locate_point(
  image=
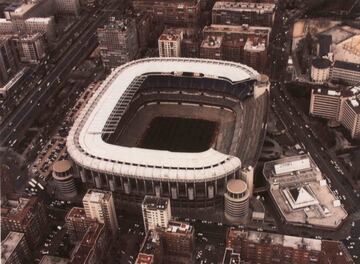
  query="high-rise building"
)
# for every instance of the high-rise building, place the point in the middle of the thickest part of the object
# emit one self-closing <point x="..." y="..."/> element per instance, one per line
<point x="263" y="248"/>
<point x="212" y="48"/>
<point x="239" y="13"/>
<point x="147" y="28"/>
<point x="63" y="178"/>
<point x="178" y="242"/>
<point x="27" y="215"/>
<point x="327" y="103"/>
<point x="156" y="212"/>
<point x="173" y="12"/>
<point x="93" y="246"/>
<point x="8" y="65"/>
<point x="44" y="25"/>
<point x="245" y="44"/>
<point x="99" y="205"/>
<point x="236" y="200"/>
<point x="255" y="53"/>
<point x="346" y="71"/>
<point x="170" y="43"/>
<point x="118" y="41"/>
<point x="351" y="116"/>
<point x="151" y="250"/>
<point x="77" y="223"/>
<point x="31" y="48"/>
<point x="14" y="249"/>
<point x="320" y="70"/>
<point x="68" y="6"/>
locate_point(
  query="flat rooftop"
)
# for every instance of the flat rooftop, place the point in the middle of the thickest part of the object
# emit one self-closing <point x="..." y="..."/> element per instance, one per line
<point x="9" y="244"/>
<point x="53" y="260"/>
<point x="154" y="203"/>
<point x="276" y="239"/>
<point x="97" y="196"/>
<point x="179" y="227"/>
<point x="245" y="7"/>
<point x="302" y="195"/>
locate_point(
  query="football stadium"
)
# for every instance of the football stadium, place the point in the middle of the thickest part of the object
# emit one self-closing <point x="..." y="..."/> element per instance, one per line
<point x="171" y="127"/>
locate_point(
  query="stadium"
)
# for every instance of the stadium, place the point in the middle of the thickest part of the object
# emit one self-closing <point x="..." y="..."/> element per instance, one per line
<point x="172" y="127"/>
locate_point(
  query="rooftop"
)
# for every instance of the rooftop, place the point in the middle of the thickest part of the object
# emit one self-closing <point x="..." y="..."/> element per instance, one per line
<point x="53" y="260"/>
<point x="86" y="146"/>
<point x="151" y="243"/>
<point x="62" y="166"/>
<point x="230" y="257"/>
<point x="321" y="63"/>
<point x="213" y="42"/>
<point x="154" y="203"/>
<point x="255" y="44"/>
<point x="20" y="210"/>
<point x="245" y="6"/>
<point x="171" y="34"/>
<point x="276" y="239"/>
<point x="301" y="193"/>
<point x="347" y="66"/>
<point x="179" y="227"/>
<point x="9" y="244"/>
<point x="144" y="259"/>
<point x="84" y="249"/>
<point x="76" y="212"/>
<point x="236" y="186"/>
<point x="97" y="196"/>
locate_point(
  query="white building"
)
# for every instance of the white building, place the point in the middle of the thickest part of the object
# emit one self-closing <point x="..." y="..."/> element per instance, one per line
<point x="320" y="70"/>
<point x="346" y="71"/>
<point x="99" y="205"/>
<point x="156" y="212"/>
<point x="301" y="194"/>
<point x="44" y="25"/>
<point x="170" y="43"/>
<point x="31" y="48"/>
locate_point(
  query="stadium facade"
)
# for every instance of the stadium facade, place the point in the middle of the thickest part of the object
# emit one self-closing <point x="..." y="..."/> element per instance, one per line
<point x="189" y="179"/>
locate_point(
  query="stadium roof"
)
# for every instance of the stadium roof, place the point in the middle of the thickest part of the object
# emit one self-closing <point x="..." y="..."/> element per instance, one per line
<point x="88" y="149"/>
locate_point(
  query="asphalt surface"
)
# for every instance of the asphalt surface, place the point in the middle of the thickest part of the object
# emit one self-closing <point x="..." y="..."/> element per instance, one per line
<point x="22" y="117"/>
<point x="302" y="131"/>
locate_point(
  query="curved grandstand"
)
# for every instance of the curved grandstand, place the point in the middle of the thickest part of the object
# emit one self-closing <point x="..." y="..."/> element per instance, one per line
<point x="175" y="127"/>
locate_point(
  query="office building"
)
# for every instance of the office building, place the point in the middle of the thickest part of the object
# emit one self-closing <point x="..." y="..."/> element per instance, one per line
<point x="240" y="13"/>
<point x="151" y="250"/>
<point x="147" y="28"/>
<point x="178" y="242"/>
<point x="6" y="26"/>
<point x="320" y="70"/>
<point x="64" y="179"/>
<point x="156" y="212"/>
<point x="68" y="6"/>
<point x="26" y="215"/>
<point x="173" y="12"/>
<point x="212" y="48"/>
<point x="346" y="72"/>
<point x="8" y="65"/>
<point x="351" y="116"/>
<point x="14" y="249"/>
<point x="264" y="248"/>
<point x="31" y="48"/>
<point x="236" y="200"/>
<point x="77" y="223"/>
<point x="255" y="53"/>
<point x="170" y="43"/>
<point x="326" y="103"/>
<point x="245" y="44"/>
<point x="118" y="42"/>
<point x="93" y="247"/>
<point x="302" y="195"/>
<point x="44" y="25"/>
<point x="99" y="205"/>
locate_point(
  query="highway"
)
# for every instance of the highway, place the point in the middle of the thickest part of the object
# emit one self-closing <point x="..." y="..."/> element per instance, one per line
<point x="300" y="130"/>
<point x="22" y="117"/>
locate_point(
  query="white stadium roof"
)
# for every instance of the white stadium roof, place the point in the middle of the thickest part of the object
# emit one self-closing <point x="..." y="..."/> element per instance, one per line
<point x="88" y="149"/>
